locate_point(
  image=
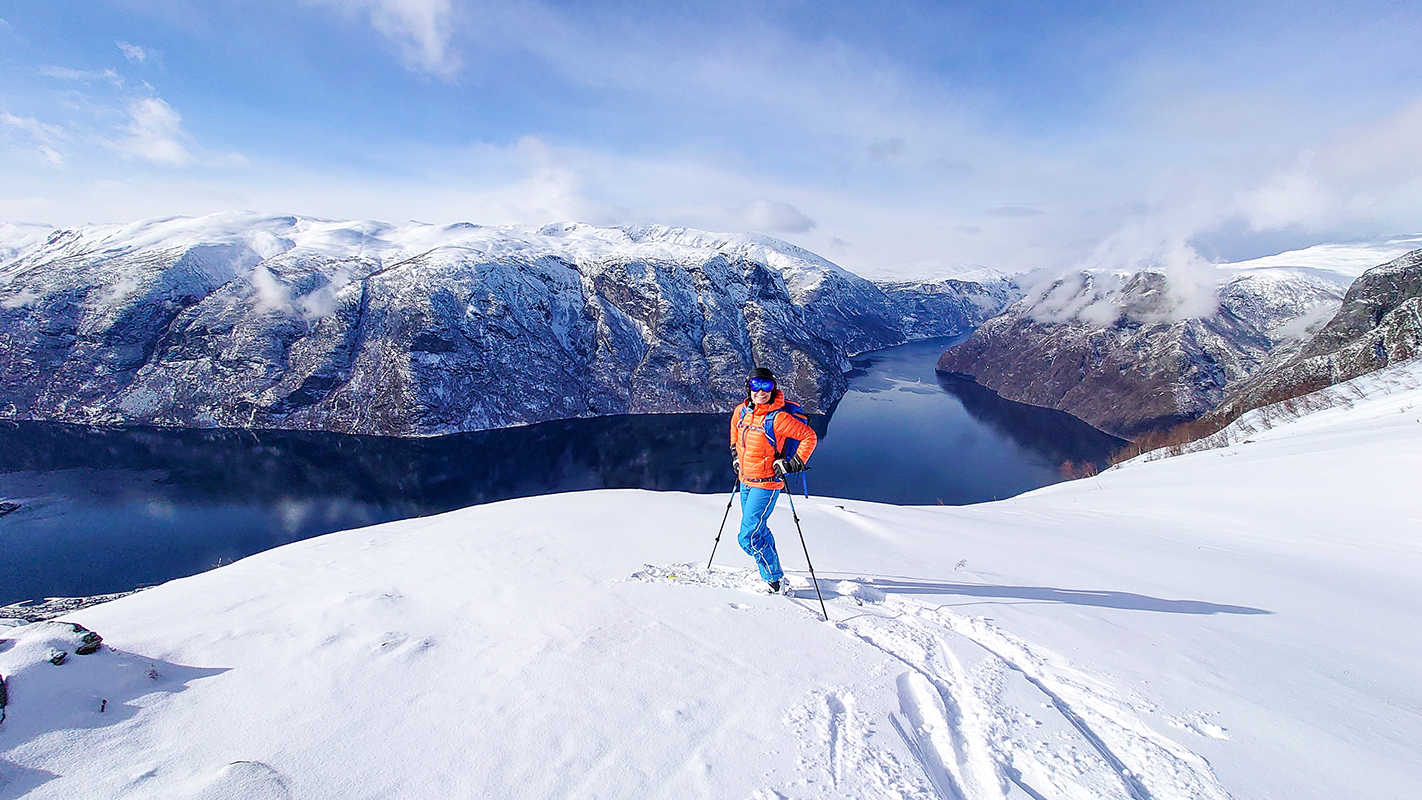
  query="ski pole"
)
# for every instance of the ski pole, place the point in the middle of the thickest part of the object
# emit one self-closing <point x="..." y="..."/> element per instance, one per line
<point x="813" y="579"/>
<point x="734" y="490"/>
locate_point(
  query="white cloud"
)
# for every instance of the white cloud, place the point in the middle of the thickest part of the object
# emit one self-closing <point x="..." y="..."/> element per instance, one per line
<point x="273" y="295"/>
<point x="420" y="29"/>
<point x="768" y="216"/>
<point x="1371" y="174"/>
<point x="155" y="134"/>
<point x="41" y="139"/>
<point x="133" y="52"/>
<point x="805" y="138"/>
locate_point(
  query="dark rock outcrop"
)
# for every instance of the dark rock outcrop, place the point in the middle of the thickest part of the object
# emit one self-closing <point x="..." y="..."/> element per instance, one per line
<point x="1379" y="323"/>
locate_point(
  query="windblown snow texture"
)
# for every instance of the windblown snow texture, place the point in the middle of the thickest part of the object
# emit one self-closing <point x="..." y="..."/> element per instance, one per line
<point x="239" y="320"/>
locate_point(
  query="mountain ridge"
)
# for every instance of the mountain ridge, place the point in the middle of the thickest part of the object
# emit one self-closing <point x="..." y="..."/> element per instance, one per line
<point x="244" y="320"/>
<point x="1136" y="352"/>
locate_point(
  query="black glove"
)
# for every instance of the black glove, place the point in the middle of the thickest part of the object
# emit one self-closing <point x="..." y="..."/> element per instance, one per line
<point x="736" y="466"/>
<point x="784" y="466"/>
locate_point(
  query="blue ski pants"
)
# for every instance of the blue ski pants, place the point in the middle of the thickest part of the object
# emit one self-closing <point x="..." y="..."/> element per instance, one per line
<point x="755" y="538"/>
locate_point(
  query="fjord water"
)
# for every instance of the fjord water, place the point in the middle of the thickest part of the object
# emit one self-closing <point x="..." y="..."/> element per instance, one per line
<point x="109" y="510"/>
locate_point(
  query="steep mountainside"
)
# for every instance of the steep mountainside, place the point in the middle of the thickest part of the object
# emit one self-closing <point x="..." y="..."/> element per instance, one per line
<point x="240" y="320"/>
<point x="1379" y="323"/>
<point x="926" y="308"/>
<point x="1126" y="353"/>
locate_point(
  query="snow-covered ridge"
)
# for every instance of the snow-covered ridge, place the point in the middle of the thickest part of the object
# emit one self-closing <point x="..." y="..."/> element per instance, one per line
<point x="1235" y="623"/>
<point x="1102" y="297"/>
<point x="245" y="320"/>
<point x="1192" y="288"/>
<point x="268" y="236"/>
<point x="1345" y="259"/>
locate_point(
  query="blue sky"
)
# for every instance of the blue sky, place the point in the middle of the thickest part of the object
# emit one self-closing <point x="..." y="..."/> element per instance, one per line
<point x="903" y="138"/>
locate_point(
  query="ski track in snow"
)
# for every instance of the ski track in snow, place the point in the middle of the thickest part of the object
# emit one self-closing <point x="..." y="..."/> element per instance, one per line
<point x="985" y="715"/>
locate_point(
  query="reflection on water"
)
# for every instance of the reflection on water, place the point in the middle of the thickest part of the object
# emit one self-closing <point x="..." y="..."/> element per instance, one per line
<point x="1053" y="435"/>
<point x="904" y="434"/>
<point x="107" y="510"/>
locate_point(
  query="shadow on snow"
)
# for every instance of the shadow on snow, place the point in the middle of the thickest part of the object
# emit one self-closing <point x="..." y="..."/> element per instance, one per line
<point x="1128" y="601"/>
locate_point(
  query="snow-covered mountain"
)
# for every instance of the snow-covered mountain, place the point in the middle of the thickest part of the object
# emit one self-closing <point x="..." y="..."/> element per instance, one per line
<point x="927" y="308"/>
<point x="1135" y="352"/>
<point x="242" y="320"/>
<point x="1379" y="323"/>
<point x="1112" y="638"/>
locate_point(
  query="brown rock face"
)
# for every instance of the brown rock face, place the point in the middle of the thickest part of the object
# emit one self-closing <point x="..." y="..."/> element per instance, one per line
<point x="1116" y="359"/>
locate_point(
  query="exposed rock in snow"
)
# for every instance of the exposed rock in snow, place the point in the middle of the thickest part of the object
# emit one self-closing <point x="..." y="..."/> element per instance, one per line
<point x="241" y="320"/>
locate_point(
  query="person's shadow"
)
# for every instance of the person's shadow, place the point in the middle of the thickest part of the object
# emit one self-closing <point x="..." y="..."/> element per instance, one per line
<point x="1045" y="594"/>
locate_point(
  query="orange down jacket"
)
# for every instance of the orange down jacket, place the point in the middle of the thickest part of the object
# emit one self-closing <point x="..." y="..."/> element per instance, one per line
<point x="753" y="449"/>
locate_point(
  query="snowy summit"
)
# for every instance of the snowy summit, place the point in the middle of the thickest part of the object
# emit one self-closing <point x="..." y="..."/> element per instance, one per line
<point x="1237" y="622"/>
<point x="241" y="320"/>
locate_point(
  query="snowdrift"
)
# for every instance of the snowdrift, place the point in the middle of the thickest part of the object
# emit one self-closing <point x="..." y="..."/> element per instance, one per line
<point x="1238" y="622"/>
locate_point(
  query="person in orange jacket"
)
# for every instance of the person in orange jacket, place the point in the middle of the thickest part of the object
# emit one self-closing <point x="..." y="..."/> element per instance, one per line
<point x="761" y="466"/>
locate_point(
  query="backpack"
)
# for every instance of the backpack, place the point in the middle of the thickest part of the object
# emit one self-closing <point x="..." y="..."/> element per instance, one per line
<point x="791" y="445"/>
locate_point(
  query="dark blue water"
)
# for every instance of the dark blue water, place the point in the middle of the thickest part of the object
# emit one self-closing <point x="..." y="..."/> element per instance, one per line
<point x="109" y="510"/>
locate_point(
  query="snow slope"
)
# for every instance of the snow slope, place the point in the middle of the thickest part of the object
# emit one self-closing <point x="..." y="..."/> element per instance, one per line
<point x="1239" y="622"/>
<point x="1341" y="260"/>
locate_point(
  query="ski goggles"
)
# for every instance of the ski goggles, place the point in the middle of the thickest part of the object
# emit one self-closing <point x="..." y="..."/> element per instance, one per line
<point x="760" y="385"/>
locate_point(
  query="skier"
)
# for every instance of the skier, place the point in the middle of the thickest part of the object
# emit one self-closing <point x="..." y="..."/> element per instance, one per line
<point x="762" y="465"/>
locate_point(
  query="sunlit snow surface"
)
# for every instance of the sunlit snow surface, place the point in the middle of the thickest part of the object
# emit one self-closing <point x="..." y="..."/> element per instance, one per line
<point x="1345" y="259"/>
<point x="259" y="237"/>
<point x="1238" y="622"/>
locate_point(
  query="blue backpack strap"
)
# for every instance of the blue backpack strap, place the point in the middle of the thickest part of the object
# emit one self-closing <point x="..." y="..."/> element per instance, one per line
<point x="791" y="445"/>
<point x="770" y="429"/>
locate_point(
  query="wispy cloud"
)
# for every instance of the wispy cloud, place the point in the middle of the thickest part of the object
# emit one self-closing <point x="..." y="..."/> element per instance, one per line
<point x="420" y="30"/>
<point x="769" y="216"/>
<point x="885" y="149"/>
<point x="155" y="134"/>
<point x="891" y="138"/>
<point x="1372" y="172"/>
<point x="133" y="52"/>
<point x="30" y="133"/>
<point x="108" y="76"/>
